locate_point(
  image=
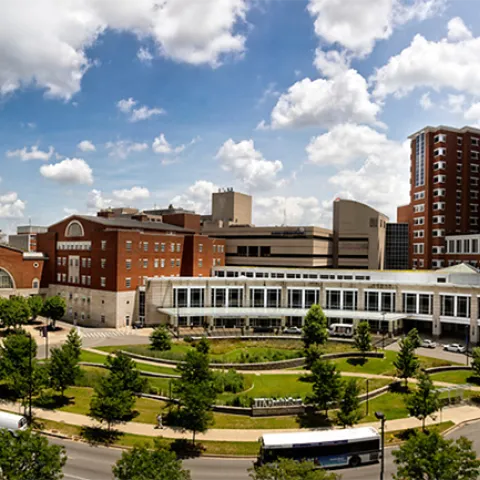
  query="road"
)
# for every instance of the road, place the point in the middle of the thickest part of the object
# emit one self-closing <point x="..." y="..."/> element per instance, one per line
<point x="95" y="463"/>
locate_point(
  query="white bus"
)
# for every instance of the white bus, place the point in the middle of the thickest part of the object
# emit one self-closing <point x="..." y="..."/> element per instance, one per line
<point x="341" y="330"/>
<point x="327" y="448"/>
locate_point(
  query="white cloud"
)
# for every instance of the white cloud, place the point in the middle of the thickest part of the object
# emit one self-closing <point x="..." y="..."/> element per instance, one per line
<point x="331" y="63"/>
<point x="69" y="211"/>
<point x="137" y="114"/>
<point x="324" y="103"/>
<point x="161" y="145"/>
<point x="144" y="55"/>
<point x="357" y="24"/>
<point x="11" y="206"/>
<point x="456" y="103"/>
<point x="69" y="171"/>
<point x="96" y="201"/>
<point x="33" y="154"/>
<point x="458" y="31"/>
<point x="132" y="194"/>
<point x="123" y="148"/>
<point x="473" y="113"/>
<point x="437" y="65"/>
<point x="270" y="92"/>
<point x="53" y="55"/>
<point x="347" y="143"/>
<point x="249" y="166"/>
<point x="198" y="197"/>
<point x="426" y="102"/>
<point x="86" y="146"/>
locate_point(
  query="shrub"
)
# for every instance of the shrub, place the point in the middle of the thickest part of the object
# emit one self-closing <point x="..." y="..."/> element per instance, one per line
<point x="241" y="401"/>
<point x="160" y="339"/>
<point x="231" y="381"/>
<point x="188" y="339"/>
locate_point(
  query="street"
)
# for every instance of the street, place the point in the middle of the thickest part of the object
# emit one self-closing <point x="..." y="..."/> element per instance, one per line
<point x="95" y="463"/>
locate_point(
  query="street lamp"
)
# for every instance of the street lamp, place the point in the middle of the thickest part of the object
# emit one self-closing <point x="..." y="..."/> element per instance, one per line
<point x="381" y="416"/>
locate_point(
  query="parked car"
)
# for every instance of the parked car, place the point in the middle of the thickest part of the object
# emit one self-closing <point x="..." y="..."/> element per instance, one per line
<point x="428" y="344"/>
<point x="454" y="347"/>
<point x="293" y="330"/>
<point x="12" y="422"/>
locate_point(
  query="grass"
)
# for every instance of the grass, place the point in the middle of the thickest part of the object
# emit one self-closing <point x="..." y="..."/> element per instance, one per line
<point x="234" y="351"/>
<point x="392" y="404"/>
<point x="459" y="376"/>
<point x="383" y="366"/>
<point x="398" y="436"/>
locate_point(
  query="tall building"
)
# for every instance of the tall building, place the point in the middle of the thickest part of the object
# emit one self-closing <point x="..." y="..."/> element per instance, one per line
<point x="231" y="208"/>
<point x="26" y="237"/>
<point x="396" y="246"/>
<point x="444" y="191"/>
<point x="358" y="235"/>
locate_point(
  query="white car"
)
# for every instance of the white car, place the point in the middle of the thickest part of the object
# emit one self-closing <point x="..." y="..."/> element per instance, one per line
<point x="454" y="347"/>
<point x="293" y="330"/>
<point x="428" y="344"/>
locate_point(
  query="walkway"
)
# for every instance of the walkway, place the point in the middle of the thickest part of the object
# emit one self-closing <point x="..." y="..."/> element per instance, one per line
<point x="456" y="415"/>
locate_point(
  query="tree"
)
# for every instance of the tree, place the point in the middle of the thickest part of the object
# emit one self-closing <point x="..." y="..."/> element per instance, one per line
<point x="74" y="344"/>
<point x="203" y="346"/>
<point x="195" y="390"/>
<point x="363" y="339"/>
<point x="63" y="368"/>
<point x="16" y="312"/>
<point x="54" y="308"/>
<point x="425" y="400"/>
<point x="35" y="302"/>
<point x="414" y="338"/>
<point x="111" y="403"/>
<point x="160" y="339"/>
<point x="287" y="469"/>
<point x="349" y="413"/>
<point x="312" y="354"/>
<point x="326" y="384"/>
<point x="315" y="331"/>
<point x="476" y="360"/>
<point x="29" y="456"/>
<point x="141" y="463"/>
<point x="125" y="370"/>
<point x="429" y="456"/>
<point x="406" y="363"/>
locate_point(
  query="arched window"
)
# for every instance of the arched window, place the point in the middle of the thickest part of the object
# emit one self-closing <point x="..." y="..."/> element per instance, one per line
<point x="6" y="280"/>
<point x="74" y="229"/>
<point x="35" y="283"/>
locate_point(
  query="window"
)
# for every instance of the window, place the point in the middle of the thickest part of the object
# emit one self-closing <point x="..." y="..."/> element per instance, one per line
<point x="64" y="277"/>
<point x="459" y="168"/>
<point x="459" y="140"/>
<point x="74" y="229"/>
<point x="458" y="207"/>
<point x="474" y="221"/>
<point x="197" y="297"/>
<point x="103" y="282"/>
<point x="439" y="206"/>
<point x="128" y="282"/>
<point x="59" y="261"/>
<point x="172" y="262"/>
<point x="410" y="303"/>
<point x="474" y="194"/>
<point x="459" y="180"/>
<point x="200" y="247"/>
<point x="145" y="246"/>
<point x="156" y="247"/>
<point x="439" y="192"/>
<point x="439" y="152"/>
<point x="459" y="194"/>
<point x="436" y="250"/>
<point x="418" y="233"/>
<point x="334" y="299"/>
<point x="64" y="261"/>
<point x="102" y="318"/>
<point x="103" y="244"/>
<point x="128" y="245"/>
<point x="475" y="245"/>
<point x="162" y="263"/>
<point x="214" y="249"/>
<point x="420" y="160"/>
<point x="447" y="305"/>
<point x="84" y="263"/>
<point x="162" y="247"/>
<point x="440" y="165"/>
<point x="178" y="262"/>
<point x="89" y="280"/>
<point x="59" y="277"/>
<point x="419" y="221"/>
<point x="155" y="263"/>
<point x="419" y="208"/>
<point x="436" y="219"/>
<point x="145" y="263"/>
<point x="418" y="248"/>
<point x="440" y="138"/>
<point x="437" y="264"/>
<point x="458" y="220"/>
<point x="474" y="141"/>
<point x="172" y="247"/>
<point x="89" y="262"/>
<point x="439" y="179"/>
<point x="200" y="263"/>
<point x="179" y="247"/>
<point x="419" y="195"/>
<point x="474" y="181"/>
<point x="372" y="303"/>
<point x="438" y="233"/>
<point x="474" y="168"/>
<point x="84" y="279"/>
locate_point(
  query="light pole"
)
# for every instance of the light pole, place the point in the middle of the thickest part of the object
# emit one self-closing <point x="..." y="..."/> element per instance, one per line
<point x="30" y="386"/>
<point x="381" y="416"/>
<point x="367" y="395"/>
<point x="467" y="338"/>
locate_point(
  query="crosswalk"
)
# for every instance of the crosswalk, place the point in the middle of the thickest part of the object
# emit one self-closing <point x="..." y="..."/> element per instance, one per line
<point x="95" y="333"/>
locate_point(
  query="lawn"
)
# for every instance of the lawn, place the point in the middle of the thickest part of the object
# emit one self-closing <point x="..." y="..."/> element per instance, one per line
<point x="383" y="366"/>
<point x="392" y="404"/>
<point x="459" y="376"/>
<point x="235" y="351"/>
<point x="398" y="436"/>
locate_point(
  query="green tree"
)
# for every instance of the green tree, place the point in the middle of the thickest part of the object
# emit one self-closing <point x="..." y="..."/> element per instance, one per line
<point x="406" y="363"/>
<point x="35" y="302"/>
<point x="315" y="331"/>
<point x="414" y="338"/>
<point x="327" y="384"/>
<point x="196" y="392"/>
<point x="54" y="308"/>
<point x="141" y="463"/>
<point x="203" y="346"/>
<point x="124" y="369"/>
<point x="3" y="308"/>
<point x="363" y="339"/>
<point x="16" y="312"/>
<point x="111" y="403"/>
<point x="424" y="401"/>
<point x="73" y="344"/>
<point x="287" y="469"/>
<point x="63" y="368"/>
<point x="349" y="413"/>
<point x="29" y="456"/>
<point x="429" y="456"/>
<point x="160" y="339"/>
<point x="312" y="354"/>
<point x="476" y="360"/>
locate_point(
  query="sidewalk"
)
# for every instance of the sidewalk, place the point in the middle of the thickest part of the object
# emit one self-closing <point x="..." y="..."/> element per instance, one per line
<point x="455" y="414"/>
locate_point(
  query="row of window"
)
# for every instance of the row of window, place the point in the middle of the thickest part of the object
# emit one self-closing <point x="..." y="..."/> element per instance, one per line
<point x="470" y="245"/>
<point x="305" y="276"/>
<point x="442" y="138"/>
<point x="83" y="279"/>
<point x="157" y="246"/>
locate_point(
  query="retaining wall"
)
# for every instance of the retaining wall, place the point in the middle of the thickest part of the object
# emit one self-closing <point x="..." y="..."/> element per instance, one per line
<point x="144" y="373"/>
<point x="449" y="368"/>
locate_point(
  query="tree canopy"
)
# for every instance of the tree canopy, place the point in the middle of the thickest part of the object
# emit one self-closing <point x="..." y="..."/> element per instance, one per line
<point x="406" y="363"/>
<point x="349" y="413"/>
<point x="54" y="308"/>
<point x="287" y="469"/>
<point x="476" y="360"/>
<point x="141" y="463"/>
<point x="315" y="331"/>
<point x="35" y="302"/>
<point x="327" y="384"/>
<point x="429" y="456"/>
<point x="424" y="401"/>
<point x="160" y="339"/>
<point x="363" y="339"/>
<point x="15" y="312"/>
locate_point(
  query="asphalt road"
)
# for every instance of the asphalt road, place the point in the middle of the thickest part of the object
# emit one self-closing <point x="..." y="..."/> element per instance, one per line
<point x="95" y="463"/>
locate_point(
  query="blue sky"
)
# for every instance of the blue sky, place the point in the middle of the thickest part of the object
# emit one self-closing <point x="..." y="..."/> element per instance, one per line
<point x="297" y="102"/>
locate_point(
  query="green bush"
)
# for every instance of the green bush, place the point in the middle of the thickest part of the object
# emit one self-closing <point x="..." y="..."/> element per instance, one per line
<point x="188" y="339"/>
<point x="230" y="381"/>
<point x="241" y="401"/>
<point x="160" y="339"/>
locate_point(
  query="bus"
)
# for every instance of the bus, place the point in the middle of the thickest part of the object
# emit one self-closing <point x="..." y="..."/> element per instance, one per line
<point x="326" y="448"/>
<point x="341" y="330"/>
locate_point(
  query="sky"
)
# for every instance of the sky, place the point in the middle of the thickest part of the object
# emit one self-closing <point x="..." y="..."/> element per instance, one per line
<point x="109" y="103"/>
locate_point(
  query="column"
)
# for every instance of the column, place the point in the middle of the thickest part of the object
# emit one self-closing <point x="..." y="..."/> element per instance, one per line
<point x="436" y="325"/>
<point x="361" y="299"/>
<point x="474" y="319"/>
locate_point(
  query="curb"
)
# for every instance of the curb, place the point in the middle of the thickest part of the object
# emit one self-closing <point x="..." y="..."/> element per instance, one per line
<point x="460" y="425"/>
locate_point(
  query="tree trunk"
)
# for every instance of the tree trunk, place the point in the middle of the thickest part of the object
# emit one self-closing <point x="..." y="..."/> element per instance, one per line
<point x="194" y="438"/>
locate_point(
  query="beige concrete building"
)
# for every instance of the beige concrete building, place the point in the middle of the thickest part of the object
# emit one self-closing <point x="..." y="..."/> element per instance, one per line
<point x="358" y="235"/>
<point x="231" y="208"/>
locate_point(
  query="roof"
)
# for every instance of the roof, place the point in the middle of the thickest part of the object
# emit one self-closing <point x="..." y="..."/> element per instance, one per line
<point x="277" y="440"/>
<point x="460" y="268"/>
<point x="129" y="223"/>
<point x="430" y="128"/>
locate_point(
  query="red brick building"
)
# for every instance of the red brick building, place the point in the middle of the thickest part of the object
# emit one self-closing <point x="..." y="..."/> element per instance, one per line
<point x="101" y="264"/>
<point x="444" y="191"/>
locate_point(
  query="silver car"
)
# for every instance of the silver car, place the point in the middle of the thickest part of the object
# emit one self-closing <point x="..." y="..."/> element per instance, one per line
<point x="454" y="347"/>
<point x="293" y="330"/>
<point x="428" y="344"/>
